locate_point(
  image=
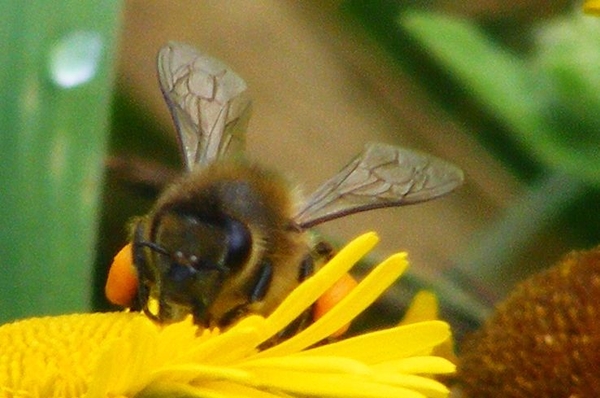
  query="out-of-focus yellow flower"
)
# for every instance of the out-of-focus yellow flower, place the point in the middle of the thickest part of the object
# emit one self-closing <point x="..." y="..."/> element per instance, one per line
<point x="424" y="307"/>
<point x="127" y="355"/>
<point x="592" y="7"/>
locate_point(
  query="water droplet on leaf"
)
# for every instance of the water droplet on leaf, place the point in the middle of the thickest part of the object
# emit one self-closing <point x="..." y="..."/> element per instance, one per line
<point x="74" y="59"/>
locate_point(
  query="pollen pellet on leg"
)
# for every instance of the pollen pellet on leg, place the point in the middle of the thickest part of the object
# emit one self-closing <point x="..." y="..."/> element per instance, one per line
<point x="121" y="284"/>
<point x="333" y="296"/>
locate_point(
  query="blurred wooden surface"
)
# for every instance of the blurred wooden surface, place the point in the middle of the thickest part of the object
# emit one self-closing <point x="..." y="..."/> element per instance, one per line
<point x="321" y="89"/>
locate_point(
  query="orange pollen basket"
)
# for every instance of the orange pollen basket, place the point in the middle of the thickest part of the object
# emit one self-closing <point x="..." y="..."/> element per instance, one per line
<point x="122" y="283"/>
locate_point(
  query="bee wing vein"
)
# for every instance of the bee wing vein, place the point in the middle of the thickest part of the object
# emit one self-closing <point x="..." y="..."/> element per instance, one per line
<point x="208" y="103"/>
<point x="382" y="176"/>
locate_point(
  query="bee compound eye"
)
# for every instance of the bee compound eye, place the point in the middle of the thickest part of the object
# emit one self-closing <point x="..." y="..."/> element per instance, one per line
<point x="239" y="242"/>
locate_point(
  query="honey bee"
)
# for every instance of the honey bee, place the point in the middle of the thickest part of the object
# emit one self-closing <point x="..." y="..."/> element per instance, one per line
<point x="228" y="238"/>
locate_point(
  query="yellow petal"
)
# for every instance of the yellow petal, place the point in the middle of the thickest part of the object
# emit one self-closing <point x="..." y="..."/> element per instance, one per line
<point x="238" y="342"/>
<point x="309" y="291"/>
<point x="428" y="387"/>
<point x="329" y="385"/>
<point x="185" y="373"/>
<point x="179" y="390"/>
<point x="312" y="363"/>
<point x="418" y="364"/>
<point x="360" y="298"/>
<point x="171" y="389"/>
<point x="424" y="307"/>
<point x="388" y="344"/>
<point x="223" y="389"/>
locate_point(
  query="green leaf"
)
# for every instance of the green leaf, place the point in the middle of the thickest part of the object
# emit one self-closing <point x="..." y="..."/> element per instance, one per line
<point x="57" y="77"/>
<point x="498" y="79"/>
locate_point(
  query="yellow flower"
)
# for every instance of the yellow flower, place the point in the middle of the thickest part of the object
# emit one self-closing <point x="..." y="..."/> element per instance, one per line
<point x="127" y="355"/>
<point x="592" y="7"/>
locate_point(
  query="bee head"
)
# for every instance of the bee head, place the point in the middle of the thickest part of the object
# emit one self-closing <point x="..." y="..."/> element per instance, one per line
<point x="186" y="256"/>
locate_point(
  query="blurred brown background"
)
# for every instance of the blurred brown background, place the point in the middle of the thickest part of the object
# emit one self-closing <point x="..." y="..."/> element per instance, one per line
<point x="322" y="87"/>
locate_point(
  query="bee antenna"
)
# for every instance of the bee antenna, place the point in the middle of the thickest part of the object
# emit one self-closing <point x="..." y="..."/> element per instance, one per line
<point x="153" y="246"/>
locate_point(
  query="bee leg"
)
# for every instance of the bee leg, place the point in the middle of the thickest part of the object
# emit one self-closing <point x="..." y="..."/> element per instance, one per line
<point x="323" y="251"/>
<point x="262" y="283"/>
<point x="139" y="261"/>
<point x="232" y="315"/>
<point x="141" y="298"/>
<point x="307" y="268"/>
<point x="257" y="292"/>
<point x="199" y="315"/>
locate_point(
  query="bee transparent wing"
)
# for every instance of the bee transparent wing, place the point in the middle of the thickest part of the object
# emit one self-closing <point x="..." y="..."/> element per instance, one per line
<point x="382" y="176"/>
<point x="208" y="103"/>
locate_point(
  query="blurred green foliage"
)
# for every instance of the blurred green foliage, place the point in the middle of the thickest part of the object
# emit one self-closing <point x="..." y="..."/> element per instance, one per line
<point x="57" y="77"/>
<point x="548" y="100"/>
<point x="530" y="93"/>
